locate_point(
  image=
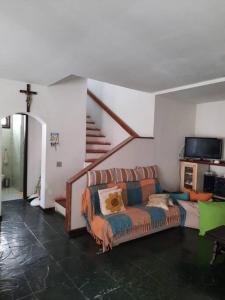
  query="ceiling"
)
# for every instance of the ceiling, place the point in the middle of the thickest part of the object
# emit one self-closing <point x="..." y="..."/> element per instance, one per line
<point x="149" y="45"/>
<point x="198" y="94"/>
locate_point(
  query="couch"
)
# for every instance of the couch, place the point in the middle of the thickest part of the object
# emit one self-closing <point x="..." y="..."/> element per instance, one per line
<point x="138" y="220"/>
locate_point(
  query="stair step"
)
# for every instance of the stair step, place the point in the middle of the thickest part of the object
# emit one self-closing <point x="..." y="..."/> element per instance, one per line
<point x="60" y="206"/>
<point x="90" y="160"/>
<point x="92" y="128"/>
<point x="88" y="117"/>
<point x="95" y="139"/>
<point x="96" y="151"/>
<point x="98" y="147"/>
<point x="95" y="132"/>
<point x="95" y="135"/>
<point x="94" y="155"/>
<point x="90" y="122"/>
<point x="97" y="143"/>
<point x="61" y="202"/>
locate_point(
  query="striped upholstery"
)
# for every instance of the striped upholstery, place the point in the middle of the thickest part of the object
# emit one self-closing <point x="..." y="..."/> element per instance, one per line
<point x="137" y="220"/>
<point x="150" y="172"/>
<point x="96" y="177"/>
<point x="125" y="175"/>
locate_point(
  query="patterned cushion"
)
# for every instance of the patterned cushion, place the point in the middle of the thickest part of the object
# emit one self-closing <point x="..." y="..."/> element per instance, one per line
<point x="147" y="172"/>
<point x="96" y="177"/>
<point x="126" y="175"/>
<point x="195" y="196"/>
<point x="111" y="201"/>
<point x="160" y="202"/>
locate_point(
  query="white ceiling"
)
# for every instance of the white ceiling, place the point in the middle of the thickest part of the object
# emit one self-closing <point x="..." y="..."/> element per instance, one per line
<point x="149" y="45"/>
<point x="198" y="94"/>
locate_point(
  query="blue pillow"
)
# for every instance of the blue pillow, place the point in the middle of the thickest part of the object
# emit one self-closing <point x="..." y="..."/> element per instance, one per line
<point x="158" y="188"/>
<point x="180" y="196"/>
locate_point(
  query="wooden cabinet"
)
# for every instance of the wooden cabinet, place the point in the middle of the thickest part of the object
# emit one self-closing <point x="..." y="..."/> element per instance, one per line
<point x="192" y="175"/>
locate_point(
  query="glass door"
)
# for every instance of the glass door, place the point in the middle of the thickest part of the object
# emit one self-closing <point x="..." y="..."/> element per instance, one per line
<point x="189" y="178"/>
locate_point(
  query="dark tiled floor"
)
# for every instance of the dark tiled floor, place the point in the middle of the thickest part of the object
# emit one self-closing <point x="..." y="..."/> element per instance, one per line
<point x="39" y="261"/>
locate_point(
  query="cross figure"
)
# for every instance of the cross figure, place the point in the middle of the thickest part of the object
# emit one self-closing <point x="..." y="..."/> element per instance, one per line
<point x="29" y="94"/>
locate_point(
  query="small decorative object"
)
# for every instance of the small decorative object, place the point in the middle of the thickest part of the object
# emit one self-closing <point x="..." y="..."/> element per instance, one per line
<point x="54" y="139"/>
<point x="29" y="94"/>
<point x="111" y="201"/>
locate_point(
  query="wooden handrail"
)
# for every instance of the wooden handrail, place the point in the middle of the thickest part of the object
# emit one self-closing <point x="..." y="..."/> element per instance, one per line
<point x="112" y="114"/>
<point x="83" y="172"/>
<point x="100" y="160"/>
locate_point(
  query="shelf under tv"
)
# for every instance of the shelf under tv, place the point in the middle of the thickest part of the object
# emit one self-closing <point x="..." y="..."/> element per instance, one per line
<point x="204" y="162"/>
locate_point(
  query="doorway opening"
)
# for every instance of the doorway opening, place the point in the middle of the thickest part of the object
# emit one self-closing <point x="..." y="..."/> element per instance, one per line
<point x="23" y="147"/>
<point x="12" y="173"/>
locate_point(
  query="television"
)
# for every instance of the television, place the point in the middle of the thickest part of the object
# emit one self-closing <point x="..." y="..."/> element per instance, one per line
<point x="204" y="148"/>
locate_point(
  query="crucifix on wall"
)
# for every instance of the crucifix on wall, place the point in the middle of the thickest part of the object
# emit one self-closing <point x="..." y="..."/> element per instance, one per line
<point x="29" y="94"/>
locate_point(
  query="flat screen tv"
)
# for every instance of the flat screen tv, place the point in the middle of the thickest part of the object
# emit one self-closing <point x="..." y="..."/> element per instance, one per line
<point x="205" y="148"/>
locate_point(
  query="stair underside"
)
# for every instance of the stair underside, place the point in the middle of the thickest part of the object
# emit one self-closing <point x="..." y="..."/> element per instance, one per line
<point x="90" y="160"/>
<point x="60" y="206"/>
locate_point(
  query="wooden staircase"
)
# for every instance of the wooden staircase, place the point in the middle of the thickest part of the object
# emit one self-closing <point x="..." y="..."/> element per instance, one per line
<point x="96" y="144"/>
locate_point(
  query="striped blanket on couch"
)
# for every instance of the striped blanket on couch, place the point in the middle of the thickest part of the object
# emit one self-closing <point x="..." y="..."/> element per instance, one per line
<point x="138" y="219"/>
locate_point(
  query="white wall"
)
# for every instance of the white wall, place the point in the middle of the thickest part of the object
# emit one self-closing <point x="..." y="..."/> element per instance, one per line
<point x="62" y="107"/>
<point x="173" y="121"/>
<point x="34" y="154"/>
<point x="114" y="133"/>
<point x="134" y="107"/>
<point x="210" y="120"/>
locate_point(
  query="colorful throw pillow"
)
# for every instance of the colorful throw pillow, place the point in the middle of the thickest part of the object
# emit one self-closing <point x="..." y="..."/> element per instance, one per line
<point x="96" y="177"/>
<point x="160" y="201"/>
<point x="111" y="201"/>
<point x="150" y="172"/>
<point x="126" y="175"/>
<point x="212" y="215"/>
<point x="195" y="196"/>
<point x="180" y="196"/>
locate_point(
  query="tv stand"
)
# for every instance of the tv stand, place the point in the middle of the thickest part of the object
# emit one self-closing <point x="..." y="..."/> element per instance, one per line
<point x="192" y="174"/>
<point x="204" y="162"/>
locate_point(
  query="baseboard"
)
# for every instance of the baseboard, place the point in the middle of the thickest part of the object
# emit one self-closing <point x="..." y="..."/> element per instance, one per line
<point x="49" y="210"/>
<point x="77" y="232"/>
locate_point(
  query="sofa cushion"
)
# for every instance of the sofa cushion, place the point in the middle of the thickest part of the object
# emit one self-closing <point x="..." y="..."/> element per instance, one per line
<point x="212" y="215"/>
<point x="161" y="202"/>
<point x="133" y="193"/>
<point x="149" y="172"/>
<point x="96" y="177"/>
<point x="196" y="196"/>
<point x="126" y="175"/>
<point x="111" y="201"/>
<point x="180" y="196"/>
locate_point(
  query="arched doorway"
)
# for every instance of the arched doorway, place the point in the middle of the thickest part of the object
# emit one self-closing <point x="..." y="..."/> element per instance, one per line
<point x="42" y="152"/>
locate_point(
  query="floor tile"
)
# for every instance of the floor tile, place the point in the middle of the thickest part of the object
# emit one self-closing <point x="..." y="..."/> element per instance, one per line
<point x="14" y="287"/>
<point x="59" y="293"/>
<point x="61" y="248"/>
<point x="46" y="274"/>
<point x="39" y="261"/>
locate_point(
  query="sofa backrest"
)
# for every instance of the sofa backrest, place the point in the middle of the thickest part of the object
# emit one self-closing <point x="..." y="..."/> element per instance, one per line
<point x="133" y="193"/>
